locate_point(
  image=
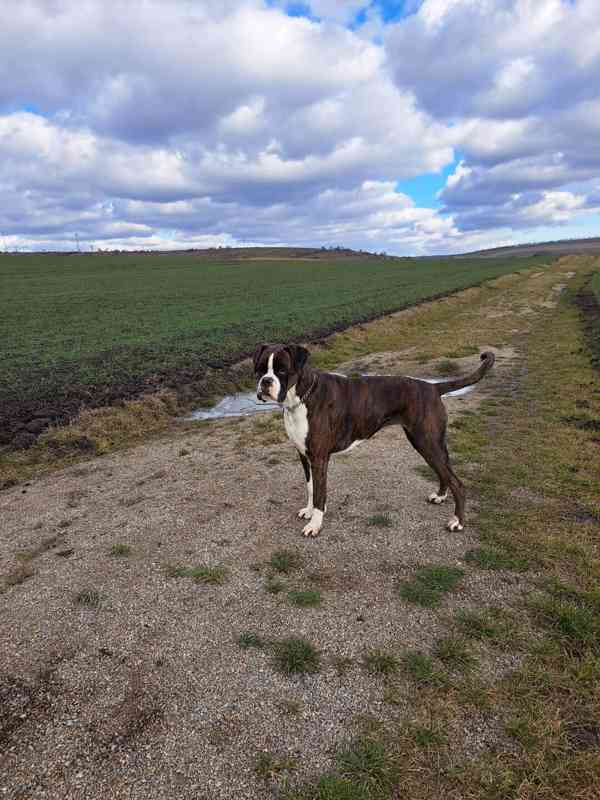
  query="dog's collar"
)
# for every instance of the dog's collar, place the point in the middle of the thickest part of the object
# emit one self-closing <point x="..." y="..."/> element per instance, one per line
<point x="307" y="394"/>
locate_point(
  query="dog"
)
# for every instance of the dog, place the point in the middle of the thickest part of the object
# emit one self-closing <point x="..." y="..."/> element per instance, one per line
<point x="326" y="413"/>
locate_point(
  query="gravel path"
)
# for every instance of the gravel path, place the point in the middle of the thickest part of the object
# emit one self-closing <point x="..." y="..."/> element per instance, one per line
<point x="148" y="694"/>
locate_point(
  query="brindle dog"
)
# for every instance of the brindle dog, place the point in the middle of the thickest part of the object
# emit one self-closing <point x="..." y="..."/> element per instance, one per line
<point x="326" y="413"/>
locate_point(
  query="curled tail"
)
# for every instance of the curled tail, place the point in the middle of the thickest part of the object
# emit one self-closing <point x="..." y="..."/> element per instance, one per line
<point x="487" y="360"/>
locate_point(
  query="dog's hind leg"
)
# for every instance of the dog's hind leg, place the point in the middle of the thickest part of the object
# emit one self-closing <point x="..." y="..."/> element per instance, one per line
<point x="306" y="512"/>
<point x="435" y="453"/>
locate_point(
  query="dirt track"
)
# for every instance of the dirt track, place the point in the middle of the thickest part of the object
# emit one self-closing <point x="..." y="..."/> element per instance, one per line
<point x="149" y="695"/>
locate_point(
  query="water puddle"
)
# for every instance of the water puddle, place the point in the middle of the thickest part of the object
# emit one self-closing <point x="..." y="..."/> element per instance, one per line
<point x="245" y="404"/>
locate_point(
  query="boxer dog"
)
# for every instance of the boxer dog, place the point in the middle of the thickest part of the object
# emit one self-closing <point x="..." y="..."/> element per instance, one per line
<point x="326" y="413"/>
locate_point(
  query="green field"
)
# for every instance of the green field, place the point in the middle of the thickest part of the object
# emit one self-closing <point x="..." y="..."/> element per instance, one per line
<point x="74" y="325"/>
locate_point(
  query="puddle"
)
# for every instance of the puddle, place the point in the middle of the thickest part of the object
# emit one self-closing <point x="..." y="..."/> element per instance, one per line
<point x="245" y="404"/>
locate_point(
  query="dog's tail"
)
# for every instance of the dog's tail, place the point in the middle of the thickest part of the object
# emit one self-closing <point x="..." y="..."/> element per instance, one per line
<point x="487" y="360"/>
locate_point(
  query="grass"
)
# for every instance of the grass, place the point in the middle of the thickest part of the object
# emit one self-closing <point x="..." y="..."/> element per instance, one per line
<point x="249" y="639"/>
<point x="429" y="584"/>
<point x="274" y="585"/>
<point x="493" y="558"/>
<point x="546" y="702"/>
<point x="296" y="656"/>
<point x="380" y="521"/>
<point x="203" y="573"/>
<point x="307" y="598"/>
<point x="120" y="550"/>
<point x="106" y="320"/>
<point x="454" y="653"/>
<point x="422" y="669"/>
<point x="378" y="662"/>
<point x="269" y="766"/>
<point x="285" y="561"/>
<point x="495" y="626"/>
<point x="363" y="771"/>
<point x="89" y="597"/>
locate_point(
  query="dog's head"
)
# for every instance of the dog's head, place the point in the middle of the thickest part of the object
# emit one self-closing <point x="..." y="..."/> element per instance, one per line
<point x="278" y="367"/>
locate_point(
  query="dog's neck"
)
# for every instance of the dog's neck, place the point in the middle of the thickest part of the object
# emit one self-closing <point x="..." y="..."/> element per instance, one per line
<point x="300" y="392"/>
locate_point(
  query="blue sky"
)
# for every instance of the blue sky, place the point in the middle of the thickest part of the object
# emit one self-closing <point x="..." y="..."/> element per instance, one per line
<point x="424" y="126"/>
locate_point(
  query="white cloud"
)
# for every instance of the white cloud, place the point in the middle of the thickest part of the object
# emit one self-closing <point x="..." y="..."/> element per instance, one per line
<point x="202" y="121"/>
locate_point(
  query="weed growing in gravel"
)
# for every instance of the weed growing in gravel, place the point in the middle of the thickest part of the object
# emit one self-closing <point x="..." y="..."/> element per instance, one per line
<point x="120" y="550"/>
<point x="269" y="766"/>
<point x="285" y="561"/>
<point x="216" y="575"/>
<point x="89" y="597"/>
<point x="429" y="584"/>
<point x="422" y="669"/>
<point x="249" y="639"/>
<point x="380" y="521"/>
<point x="378" y="662"/>
<point x="274" y="585"/>
<point x="454" y="653"/>
<point x="369" y="767"/>
<point x="308" y="598"/>
<point x="294" y="656"/>
<point x="427" y="737"/>
<point x="492" y="625"/>
<point x="475" y="625"/>
<point x="491" y="558"/>
<point x="575" y="624"/>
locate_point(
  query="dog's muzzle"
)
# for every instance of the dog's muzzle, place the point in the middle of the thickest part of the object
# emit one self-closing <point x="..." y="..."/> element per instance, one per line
<point x="263" y="389"/>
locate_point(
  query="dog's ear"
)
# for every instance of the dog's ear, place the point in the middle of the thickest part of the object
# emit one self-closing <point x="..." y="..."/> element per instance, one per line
<point x="299" y="356"/>
<point x="258" y="353"/>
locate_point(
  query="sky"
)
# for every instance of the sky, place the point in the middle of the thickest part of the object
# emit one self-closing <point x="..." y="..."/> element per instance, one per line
<point x="412" y="127"/>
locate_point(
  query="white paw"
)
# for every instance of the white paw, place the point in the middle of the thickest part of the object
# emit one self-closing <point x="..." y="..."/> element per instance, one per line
<point x="454" y="524"/>
<point x="436" y="498"/>
<point x="306" y="512"/>
<point x="315" y="524"/>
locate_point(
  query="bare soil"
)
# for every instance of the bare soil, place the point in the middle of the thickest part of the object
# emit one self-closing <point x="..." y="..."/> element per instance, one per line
<point x="139" y="688"/>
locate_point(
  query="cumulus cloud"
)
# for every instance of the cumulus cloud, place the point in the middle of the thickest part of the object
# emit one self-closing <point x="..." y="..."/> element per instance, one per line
<point x="197" y="122"/>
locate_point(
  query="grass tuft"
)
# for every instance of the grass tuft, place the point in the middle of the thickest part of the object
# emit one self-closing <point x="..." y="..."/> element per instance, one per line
<point x="296" y="656"/>
<point x="120" y="550"/>
<point x="454" y="653"/>
<point x="203" y="573"/>
<point x="378" y="662"/>
<point x="308" y="598"/>
<point x="422" y="669"/>
<point x="428" y="584"/>
<point x="491" y="558"/>
<point x="380" y="521"/>
<point x="285" y="561"/>
<point x="268" y="767"/>
<point x="89" y="597"/>
<point x="249" y="639"/>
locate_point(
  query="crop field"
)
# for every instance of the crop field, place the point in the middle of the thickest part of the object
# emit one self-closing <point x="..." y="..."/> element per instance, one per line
<point x="91" y="328"/>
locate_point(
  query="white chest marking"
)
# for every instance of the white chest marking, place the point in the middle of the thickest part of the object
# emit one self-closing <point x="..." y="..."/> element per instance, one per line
<point x="295" y="419"/>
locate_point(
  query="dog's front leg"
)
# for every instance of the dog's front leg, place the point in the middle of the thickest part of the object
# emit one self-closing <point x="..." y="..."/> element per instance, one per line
<point x="318" y="469"/>
<point x="307" y="511"/>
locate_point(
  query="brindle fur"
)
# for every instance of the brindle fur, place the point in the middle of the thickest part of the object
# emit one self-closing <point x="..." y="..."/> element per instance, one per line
<point x="342" y="410"/>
